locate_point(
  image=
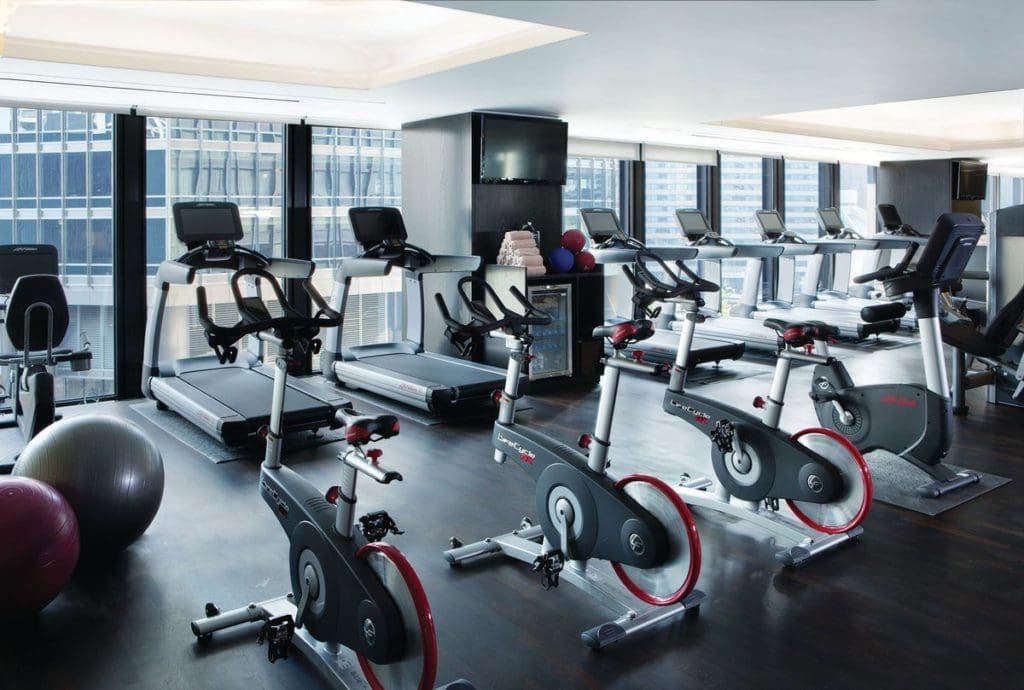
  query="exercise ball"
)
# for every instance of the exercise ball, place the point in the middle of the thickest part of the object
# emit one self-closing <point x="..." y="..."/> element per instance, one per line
<point x="40" y="551"/>
<point x="561" y="260"/>
<point x="574" y="240"/>
<point x="585" y="262"/>
<point x="108" y="470"/>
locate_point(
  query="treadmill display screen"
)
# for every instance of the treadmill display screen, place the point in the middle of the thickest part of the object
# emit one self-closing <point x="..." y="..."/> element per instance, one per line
<point x="692" y="222"/>
<point x="206" y="221"/>
<point x="830" y="219"/>
<point x="374" y="225"/>
<point x="601" y="224"/>
<point x="770" y="222"/>
<point x="25" y="260"/>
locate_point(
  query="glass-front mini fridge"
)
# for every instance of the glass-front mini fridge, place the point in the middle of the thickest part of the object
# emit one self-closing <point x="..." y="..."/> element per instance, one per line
<point x="552" y="344"/>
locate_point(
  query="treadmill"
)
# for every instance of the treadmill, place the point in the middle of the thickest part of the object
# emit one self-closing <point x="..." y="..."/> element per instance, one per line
<point x="403" y="371"/>
<point x="226" y="400"/>
<point x="713" y="249"/>
<point x="613" y="247"/>
<point x="851" y="326"/>
<point x="837" y="295"/>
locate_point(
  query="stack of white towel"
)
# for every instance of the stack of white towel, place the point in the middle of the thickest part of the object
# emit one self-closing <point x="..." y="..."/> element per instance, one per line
<point x="518" y="248"/>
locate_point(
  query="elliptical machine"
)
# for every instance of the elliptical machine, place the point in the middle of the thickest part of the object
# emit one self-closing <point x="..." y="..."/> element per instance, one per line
<point x="822" y="478"/>
<point x="352" y="595"/>
<point x="36" y="319"/>
<point x="637" y="522"/>
<point x="909" y="420"/>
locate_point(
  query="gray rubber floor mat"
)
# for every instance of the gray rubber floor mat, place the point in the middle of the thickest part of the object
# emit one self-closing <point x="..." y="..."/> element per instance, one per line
<point x="896" y="482"/>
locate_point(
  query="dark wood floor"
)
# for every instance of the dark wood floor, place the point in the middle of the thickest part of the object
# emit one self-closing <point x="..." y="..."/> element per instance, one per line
<point x="918" y="602"/>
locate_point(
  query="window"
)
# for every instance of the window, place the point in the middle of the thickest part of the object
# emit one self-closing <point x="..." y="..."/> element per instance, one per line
<point x="55" y="188"/>
<point x="1011" y="190"/>
<point x="802" y="200"/>
<point x="356" y="167"/>
<point x="591" y="182"/>
<point x="208" y="160"/>
<point x="667" y="186"/>
<point x="857" y="197"/>
<point x="742" y="193"/>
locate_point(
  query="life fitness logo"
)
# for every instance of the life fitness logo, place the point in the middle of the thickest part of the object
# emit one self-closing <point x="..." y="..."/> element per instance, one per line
<point x="698" y="416"/>
<point x="898" y="401"/>
<point x="526" y="455"/>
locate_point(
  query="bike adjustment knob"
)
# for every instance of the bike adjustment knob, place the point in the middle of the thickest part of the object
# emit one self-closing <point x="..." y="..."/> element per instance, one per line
<point x="374" y="454"/>
<point x="584" y="441"/>
<point x="333" y="494"/>
<point x="759" y="402"/>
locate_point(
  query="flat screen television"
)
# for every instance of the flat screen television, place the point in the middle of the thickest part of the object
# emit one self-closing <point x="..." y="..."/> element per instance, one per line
<point x="970" y="179"/>
<point x="522" y="150"/>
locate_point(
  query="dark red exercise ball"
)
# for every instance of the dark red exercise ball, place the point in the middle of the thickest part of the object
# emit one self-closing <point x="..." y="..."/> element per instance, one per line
<point x="585" y="262"/>
<point x="574" y="240"/>
<point x="40" y="545"/>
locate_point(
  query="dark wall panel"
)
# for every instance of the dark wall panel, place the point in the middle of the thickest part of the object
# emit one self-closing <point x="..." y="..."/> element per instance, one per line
<point x="498" y="208"/>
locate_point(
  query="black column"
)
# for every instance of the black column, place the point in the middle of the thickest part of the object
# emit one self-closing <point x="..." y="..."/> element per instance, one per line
<point x="130" y="278"/>
<point x="635" y="201"/>
<point x="298" y="201"/>
<point x="714" y="193"/>
<point x="828" y="185"/>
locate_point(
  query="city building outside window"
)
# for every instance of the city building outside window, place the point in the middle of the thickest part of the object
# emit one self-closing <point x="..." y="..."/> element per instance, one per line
<point x="801" y="185"/>
<point x="56" y="187"/>
<point x="857" y="198"/>
<point x="591" y="183"/>
<point x="357" y="167"/>
<point x="667" y="186"/>
<point x="742" y="193"/>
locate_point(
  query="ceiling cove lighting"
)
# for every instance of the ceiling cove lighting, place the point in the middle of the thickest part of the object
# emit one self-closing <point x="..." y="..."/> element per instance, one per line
<point x="980" y="120"/>
<point x="355" y="44"/>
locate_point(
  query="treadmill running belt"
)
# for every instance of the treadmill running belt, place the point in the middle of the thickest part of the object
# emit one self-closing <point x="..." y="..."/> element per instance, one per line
<point x="448" y="373"/>
<point x="247" y="392"/>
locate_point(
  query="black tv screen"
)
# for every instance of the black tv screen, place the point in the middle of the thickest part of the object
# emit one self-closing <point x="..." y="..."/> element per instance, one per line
<point x="970" y="179"/>
<point x="523" y="150"/>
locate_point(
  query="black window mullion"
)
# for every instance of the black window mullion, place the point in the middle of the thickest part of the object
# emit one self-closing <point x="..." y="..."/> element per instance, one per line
<point x="129" y="207"/>
<point x="298" y="202"/>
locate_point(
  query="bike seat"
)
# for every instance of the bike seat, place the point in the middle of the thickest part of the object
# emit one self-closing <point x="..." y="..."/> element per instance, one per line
<point x="626" y="332"/>
<point x="798" y="333"/>
<point x="360" y="428"/>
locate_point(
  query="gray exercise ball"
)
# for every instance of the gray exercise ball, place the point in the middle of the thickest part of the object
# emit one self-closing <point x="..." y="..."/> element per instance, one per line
<point x="108" y="470"/>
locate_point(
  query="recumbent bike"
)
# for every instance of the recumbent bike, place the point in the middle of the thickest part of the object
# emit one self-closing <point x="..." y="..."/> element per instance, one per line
<point x="638" y="522"/>
<point x="352" y="595"/>
<point x="36" y="318"/>
<point x="908" y="420"/>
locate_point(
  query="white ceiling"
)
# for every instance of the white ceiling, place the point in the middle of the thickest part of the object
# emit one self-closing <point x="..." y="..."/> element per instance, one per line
<point x="646" y="71"/>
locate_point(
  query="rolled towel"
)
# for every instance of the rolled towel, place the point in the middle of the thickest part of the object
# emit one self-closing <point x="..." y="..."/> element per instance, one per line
<point x="518" y="235"/>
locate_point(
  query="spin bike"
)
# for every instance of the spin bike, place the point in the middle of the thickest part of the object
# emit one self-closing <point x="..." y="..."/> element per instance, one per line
<point x="821" y="476"/>
<point x="356" y="602"/>
<point x="908" y="420"/>
<point x="638" y="523"/>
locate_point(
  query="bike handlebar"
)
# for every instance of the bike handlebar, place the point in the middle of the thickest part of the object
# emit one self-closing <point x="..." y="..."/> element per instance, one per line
<point x="293" y="328"/>
<point x="484" y="321"/>
<point x="890" y="272"/>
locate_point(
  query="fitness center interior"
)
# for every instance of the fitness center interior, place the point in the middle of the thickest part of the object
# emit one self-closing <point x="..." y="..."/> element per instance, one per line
<point x="288" y="287"/>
